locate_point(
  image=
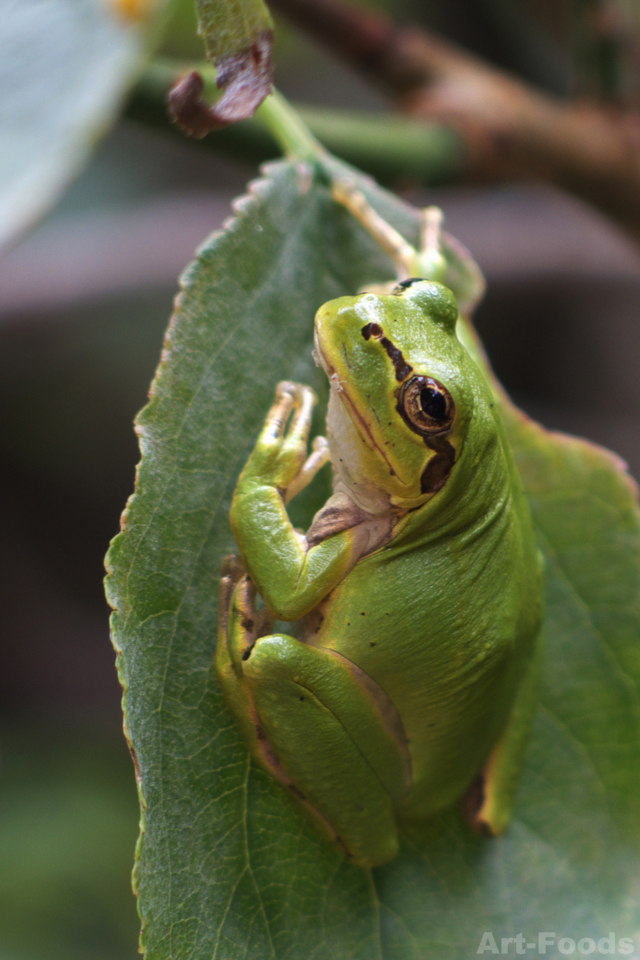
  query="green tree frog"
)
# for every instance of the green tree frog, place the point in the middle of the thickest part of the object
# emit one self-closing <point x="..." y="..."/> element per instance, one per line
<point x="411" y="680"/>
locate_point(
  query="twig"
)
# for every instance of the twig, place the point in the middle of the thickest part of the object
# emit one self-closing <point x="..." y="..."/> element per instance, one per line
<point x="512" y="131"/>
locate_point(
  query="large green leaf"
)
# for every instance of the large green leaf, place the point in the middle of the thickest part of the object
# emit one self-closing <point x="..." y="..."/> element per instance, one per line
<point x="65" y="66"/>
<point x="227" y="867"/>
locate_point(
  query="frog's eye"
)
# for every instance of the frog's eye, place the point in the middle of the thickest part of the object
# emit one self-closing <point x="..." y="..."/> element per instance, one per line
<point x="426" y="406"/>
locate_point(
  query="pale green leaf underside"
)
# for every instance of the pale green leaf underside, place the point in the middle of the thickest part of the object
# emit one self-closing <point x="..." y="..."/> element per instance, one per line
<point x="65" y="66"/>
<point x="228" y="868"/>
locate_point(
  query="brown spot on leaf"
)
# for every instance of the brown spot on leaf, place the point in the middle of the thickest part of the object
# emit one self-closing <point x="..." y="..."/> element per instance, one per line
<point x="246" y="80"/>
<point x="296" y="792"/>
<point x="136" y="762"/>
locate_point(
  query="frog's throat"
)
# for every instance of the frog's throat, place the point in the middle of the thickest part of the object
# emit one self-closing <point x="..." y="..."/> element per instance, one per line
<point x="335" y="384"/>
<point x="351" y="474"/>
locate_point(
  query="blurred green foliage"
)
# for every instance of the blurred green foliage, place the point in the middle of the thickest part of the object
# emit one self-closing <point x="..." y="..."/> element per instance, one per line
<point x="68" y="820"/>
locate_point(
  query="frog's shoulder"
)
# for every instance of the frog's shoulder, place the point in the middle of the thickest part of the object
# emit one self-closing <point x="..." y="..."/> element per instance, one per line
<point x="341" y="513"/>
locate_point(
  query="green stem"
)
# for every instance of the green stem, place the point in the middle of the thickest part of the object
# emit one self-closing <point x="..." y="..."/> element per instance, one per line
<point x="388" y="146"/>
<point x="288" y="129"/>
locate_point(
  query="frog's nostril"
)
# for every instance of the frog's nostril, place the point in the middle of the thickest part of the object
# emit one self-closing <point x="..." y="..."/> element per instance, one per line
<point x="372" y="330"/>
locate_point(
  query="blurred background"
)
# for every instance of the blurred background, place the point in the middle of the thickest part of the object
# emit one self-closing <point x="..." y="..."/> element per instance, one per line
<point x="84" y="302"/>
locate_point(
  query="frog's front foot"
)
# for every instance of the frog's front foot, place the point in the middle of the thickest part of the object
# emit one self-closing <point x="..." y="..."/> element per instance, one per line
<point x="320" y="454"/>
<point x="280" y="455"/>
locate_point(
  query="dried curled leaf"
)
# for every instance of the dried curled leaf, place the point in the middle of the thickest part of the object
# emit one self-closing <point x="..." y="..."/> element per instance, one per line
<point x="238" y="36"/>
<point x="246" y="80"/>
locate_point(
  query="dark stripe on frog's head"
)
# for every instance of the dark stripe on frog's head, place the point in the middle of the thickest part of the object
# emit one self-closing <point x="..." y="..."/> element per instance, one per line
<point x="402" y="368"/>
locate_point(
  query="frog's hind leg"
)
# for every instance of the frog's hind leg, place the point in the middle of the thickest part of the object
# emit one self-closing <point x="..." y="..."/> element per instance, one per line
<point x="489" y="802"/>
<point x="239" y="626"/>
<point x="336" y="736"/>
<point x="316" y="723"/>
<point x="265" y="681"/>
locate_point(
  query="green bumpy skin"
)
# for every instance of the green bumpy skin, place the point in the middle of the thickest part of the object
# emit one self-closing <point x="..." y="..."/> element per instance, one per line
<point x="412" y="679"/>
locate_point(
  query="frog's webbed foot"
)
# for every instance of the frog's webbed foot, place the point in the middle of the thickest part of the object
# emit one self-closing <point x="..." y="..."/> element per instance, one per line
<point x="240" y="622"/>
<point x="427" y="262"/>
<point x="232" y="570"/>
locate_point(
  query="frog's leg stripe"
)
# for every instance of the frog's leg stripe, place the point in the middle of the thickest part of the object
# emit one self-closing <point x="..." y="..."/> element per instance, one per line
<point x="490" y="799"/>
<point x="357" y="702"/>
<point x="389" y="719"/>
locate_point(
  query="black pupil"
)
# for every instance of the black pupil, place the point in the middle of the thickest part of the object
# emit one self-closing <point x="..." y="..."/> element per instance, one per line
<point x="433" y="403"/>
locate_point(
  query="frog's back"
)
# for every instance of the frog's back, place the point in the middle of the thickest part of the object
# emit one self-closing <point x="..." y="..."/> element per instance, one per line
<point x="444" y="619"/>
